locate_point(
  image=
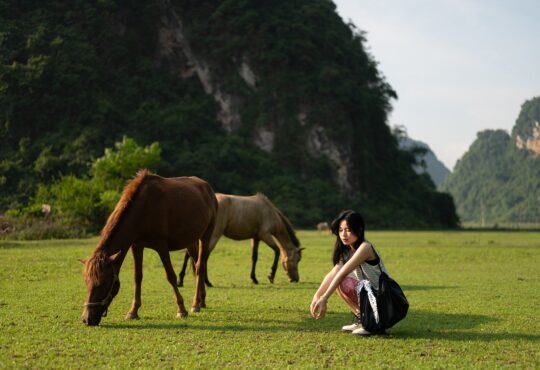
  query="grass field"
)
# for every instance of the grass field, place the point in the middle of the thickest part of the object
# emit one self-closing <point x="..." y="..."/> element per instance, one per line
<point x="473" y="296"/>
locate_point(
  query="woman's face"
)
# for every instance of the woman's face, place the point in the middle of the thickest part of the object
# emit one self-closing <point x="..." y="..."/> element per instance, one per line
<point x="346" y="235"/>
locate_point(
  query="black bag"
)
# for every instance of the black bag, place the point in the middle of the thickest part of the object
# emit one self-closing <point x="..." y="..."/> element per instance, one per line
<point x="391" y="303"/>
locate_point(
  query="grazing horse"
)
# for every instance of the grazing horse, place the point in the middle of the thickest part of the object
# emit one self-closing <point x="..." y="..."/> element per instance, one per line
<point x="255" y="217"/>
<point x="163" y="214"/>
<point x="323" y="226"/>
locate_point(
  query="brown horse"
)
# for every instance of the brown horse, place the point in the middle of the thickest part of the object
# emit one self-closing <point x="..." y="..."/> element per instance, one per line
<point x="163" y="214"/>
<point x="255" y="217"/>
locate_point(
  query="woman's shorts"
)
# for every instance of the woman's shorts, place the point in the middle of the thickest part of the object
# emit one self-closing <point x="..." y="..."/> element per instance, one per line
<point x="348" y="287"/>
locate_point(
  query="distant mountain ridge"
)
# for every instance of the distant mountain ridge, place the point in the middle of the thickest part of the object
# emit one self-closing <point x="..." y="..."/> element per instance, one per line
<point x="431" y="164"/>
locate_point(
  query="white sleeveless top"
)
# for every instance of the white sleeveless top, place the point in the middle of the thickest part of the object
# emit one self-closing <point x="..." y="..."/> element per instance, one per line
<point x="371" y="272"/>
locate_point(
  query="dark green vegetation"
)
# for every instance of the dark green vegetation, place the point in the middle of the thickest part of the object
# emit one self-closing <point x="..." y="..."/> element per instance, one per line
<point x="498" y="180"/>
<point x="76" y="77"/>
<point x="468" y="309"/>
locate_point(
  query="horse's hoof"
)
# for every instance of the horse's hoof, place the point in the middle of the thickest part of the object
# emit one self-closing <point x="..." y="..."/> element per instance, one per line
<point x="255" y="281"/>
<point x="271" y="279"/>
<point x="182" y="315"/>
<point x="132" y="316"/>
<point x="195" y="309"/>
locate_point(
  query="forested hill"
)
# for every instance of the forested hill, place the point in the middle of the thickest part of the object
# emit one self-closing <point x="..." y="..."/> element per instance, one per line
<point x="279" y="97"/>
<point x="498" y="180"/>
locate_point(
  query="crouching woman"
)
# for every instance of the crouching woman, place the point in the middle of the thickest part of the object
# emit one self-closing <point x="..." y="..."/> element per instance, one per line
<point x="354" y="259"/>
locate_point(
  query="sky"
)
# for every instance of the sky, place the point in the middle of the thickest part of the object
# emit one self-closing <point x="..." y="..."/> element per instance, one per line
<point x="458" y="66"/>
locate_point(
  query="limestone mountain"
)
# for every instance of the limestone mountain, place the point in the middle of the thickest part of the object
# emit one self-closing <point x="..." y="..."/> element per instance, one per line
<point x="279" y="97"/>
<point x="498" y="179"/>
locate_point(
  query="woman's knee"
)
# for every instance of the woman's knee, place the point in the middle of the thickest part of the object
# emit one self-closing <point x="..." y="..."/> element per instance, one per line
<point x="348" y="288"/>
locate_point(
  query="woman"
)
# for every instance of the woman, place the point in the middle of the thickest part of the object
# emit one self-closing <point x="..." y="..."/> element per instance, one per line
<point x="354" y="259"/>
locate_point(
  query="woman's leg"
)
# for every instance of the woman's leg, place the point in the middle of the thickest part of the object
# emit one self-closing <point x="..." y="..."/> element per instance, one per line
<point x="347" y="292"/>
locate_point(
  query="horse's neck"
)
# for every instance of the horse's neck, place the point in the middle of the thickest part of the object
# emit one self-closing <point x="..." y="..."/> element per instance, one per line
<point x="117" y="248"/>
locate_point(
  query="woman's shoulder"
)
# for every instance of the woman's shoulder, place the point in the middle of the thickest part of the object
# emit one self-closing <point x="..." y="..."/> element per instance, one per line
<point x="367" y="244"/>
<point x="374" y="254"/>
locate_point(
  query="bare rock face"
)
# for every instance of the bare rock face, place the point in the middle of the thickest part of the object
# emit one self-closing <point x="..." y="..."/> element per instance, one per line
<point x="245" y="71"/>
<point x="173" y="43"/>
<point x="532" y="142"/>
<point x="264" y="139"/>
<point x="318" y="143"/>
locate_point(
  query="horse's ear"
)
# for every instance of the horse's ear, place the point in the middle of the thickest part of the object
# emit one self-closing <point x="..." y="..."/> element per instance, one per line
<point x="82" y="261"/>
<point x="114" y="257"/>
<point x="301" y="249"/>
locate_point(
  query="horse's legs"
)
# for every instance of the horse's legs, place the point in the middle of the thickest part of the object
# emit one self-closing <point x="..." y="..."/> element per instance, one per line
<point x="254" y="256"/>
<point x="137" y="251"/>
<point x="183" y="271"/>
<point x="199" y="257"/>
<point x="171" y="278"/>
<point x="272" y="244"/>
<point x="213" y="241"/>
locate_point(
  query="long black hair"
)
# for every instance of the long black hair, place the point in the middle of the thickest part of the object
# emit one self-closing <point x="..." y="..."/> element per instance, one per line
<point x="356" y="224"/>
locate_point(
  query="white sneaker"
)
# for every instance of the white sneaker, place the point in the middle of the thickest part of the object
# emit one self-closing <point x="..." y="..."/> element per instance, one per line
<point x="352" y="327"/>
<point x="361" y="331"/>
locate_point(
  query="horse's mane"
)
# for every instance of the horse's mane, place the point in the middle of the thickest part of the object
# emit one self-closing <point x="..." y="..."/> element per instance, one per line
<point x="94" y="266"/>
<point x="127" y="195"/>
<point x="284" y="220"/>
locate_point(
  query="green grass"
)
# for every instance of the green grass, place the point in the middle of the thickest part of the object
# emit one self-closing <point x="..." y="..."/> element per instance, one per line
<point x="474" y="300"/>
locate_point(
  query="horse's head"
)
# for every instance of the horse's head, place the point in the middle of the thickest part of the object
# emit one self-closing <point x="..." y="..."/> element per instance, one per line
<point x="102" y="285"/>
<point x="290" y="263"/>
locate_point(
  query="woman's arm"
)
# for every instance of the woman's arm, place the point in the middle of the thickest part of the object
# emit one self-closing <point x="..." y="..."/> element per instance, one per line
<point x="363" y="253"/>
<point x="324" y="286"/>
<point x="327" y="280"/>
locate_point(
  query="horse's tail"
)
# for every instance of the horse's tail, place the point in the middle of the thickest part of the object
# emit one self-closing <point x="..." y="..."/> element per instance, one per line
<point x="284" y="221"/>
<point x="127" y="196"/>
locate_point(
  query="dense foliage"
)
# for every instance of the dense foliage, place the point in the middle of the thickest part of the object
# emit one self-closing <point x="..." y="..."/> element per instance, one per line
<point x="496" y="182"/>
<point x="75" y="78"/>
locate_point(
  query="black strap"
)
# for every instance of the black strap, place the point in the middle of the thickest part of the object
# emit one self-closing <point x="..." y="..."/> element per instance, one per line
<point x="378" y="263"/>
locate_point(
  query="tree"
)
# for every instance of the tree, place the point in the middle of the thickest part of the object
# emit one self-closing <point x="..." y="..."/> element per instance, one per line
<point x="86" y="202"/>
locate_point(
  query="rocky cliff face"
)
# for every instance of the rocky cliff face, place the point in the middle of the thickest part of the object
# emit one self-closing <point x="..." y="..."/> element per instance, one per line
<point x="175" y="45"/>
<point x="531" y="142"/>
<point x="526" y="131"/>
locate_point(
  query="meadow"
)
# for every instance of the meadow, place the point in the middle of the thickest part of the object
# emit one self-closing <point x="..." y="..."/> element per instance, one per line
<point x="473" y="297"/>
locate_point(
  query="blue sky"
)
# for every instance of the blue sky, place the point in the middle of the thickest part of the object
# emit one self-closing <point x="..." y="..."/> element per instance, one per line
<point x="458" y="66"/>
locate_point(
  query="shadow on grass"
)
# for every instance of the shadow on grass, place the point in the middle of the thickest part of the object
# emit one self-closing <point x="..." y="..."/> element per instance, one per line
<point x="10" y="245"/>
<point x="422" y="324"/>
<point x="312" y="285"/>
<point x="44" y="244"/>
<point x="425" y="287"/>
<point x="419" y="324"/>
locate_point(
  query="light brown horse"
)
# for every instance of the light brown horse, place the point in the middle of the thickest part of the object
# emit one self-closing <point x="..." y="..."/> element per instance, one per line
<point x="255" y="217"/>
<point x="163" y="214"/>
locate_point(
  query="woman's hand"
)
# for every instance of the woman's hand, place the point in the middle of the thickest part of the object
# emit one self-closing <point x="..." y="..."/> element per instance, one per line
<point x="312" y="305"/>
<point x="318" y="308"/>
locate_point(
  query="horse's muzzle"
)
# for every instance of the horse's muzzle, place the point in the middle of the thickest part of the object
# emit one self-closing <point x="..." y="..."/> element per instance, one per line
<point x="92" y="317"/>
<point x="91" y="322"/>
